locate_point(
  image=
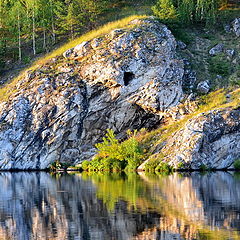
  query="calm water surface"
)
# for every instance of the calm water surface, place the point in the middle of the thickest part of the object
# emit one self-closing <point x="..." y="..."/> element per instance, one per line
<point x="81" y="206"/>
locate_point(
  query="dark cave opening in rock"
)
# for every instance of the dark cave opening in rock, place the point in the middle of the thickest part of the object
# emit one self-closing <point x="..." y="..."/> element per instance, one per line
<point x="128" y="77"/>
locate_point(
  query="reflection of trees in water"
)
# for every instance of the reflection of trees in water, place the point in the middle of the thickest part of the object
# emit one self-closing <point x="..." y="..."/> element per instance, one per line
<point x="38" y="206"/>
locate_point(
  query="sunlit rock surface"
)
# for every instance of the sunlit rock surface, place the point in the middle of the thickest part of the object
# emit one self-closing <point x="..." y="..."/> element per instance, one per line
<point x="211" y="140"/>
<point x="124" y="80"/>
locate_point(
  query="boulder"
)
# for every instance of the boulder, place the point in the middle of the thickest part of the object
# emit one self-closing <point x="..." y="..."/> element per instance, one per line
<point x="227" y="28"/>
<point x="217" y="49"/>
<point x="189" y="78"/>
<point x="230" y="52"/>
<point x="203" y="87"/>
<point x="181" y="45"/>
<point x="236" y="26"/>
<point x="210" y="139"/>
<point x="126" y="79"/>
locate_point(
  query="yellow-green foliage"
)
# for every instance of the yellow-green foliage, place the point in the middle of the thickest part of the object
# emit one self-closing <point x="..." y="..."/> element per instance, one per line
<point x="165" y="10"/>
<point x="57" y="165"/>
<point x="114" y="155"/>
<point x="129" y="187"/>
<point x="6" y="90"/>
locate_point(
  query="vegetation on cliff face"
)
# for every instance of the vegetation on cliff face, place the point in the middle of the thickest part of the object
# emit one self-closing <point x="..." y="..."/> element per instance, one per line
<point x="114" y="155"/>
<point x="111" y="151"/>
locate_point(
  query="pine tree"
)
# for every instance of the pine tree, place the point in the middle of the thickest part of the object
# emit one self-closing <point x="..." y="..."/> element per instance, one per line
<point x="59" y="12"/>
<point x="45" y="19"/>
<point x="91" y="9"/>
<point x="32" y="9"/>
<point x="206" y="11"/>
<point x="164" y="9"/>
<point x="187" y="10"/>
<point x="51" y="3"/>
<point x="71" y="19"/>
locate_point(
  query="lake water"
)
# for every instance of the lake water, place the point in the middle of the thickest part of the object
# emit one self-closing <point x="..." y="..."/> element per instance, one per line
<point x="134" y="206"/>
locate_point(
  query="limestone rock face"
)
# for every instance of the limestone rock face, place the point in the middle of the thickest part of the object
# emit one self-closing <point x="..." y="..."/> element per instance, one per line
<point x="211" y="139"/>
<point x="236" y="26"/>
<point x="123" y="80"/>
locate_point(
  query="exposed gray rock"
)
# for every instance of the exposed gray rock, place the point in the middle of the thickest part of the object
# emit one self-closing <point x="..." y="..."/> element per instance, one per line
<point x="236" y="26"/>
<point x="68" y="53"/>
<point x="189" y="78"/>
<point x="211" y="139"/>
<point x="227" y="28"/>
<point x="219" y="77"/>
<point x="216" y="49"/>
<point x="203" y="87"/>
<point x="181" y="45"/>
<point x="126" y="79"/>
<point x="230" y="52"/>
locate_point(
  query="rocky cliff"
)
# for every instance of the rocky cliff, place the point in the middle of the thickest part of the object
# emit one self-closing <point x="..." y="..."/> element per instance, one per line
<point x="130" y="78"/>
<point x="211" y="139"/>
<point x="124" y="80"/>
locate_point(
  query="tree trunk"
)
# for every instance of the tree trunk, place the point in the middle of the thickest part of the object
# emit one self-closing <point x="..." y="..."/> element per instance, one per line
<point x="33" y="32"/>
<point x="53" y="27"/>
<point x="19" y="40"/>
<point x="44" y="39"/>
<point x="72" y="32"/>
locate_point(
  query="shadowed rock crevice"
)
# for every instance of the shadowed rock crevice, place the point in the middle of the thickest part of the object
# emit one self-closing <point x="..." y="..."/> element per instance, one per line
<point x="128" y="77"/>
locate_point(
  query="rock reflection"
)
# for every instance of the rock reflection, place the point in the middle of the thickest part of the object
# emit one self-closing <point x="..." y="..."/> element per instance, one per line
<point x="81" y="206"/>
<point x="198" y="206"/>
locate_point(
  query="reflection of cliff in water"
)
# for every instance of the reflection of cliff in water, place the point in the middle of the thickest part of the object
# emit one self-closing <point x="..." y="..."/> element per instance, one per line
<point x="193" y="206"/>
<point x="197" y="206"/>
<point x="220" y="193"/>
<point x="38" y="206"/>
<point x="213" y="198"/>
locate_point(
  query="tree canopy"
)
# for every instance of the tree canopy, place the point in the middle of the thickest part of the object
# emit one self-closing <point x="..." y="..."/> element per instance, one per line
<point x="189" y="10"/>
<point x="31" y="20"/>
